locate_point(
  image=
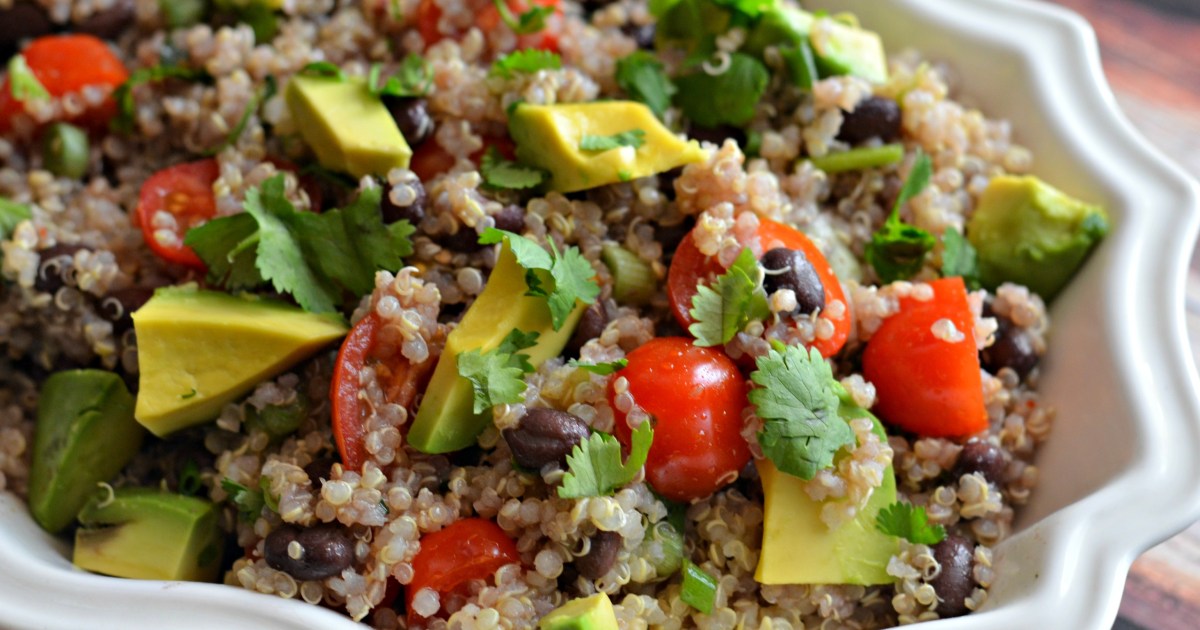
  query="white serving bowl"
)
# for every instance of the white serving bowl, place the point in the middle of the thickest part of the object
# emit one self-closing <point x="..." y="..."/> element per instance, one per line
<point x="1121" y="470"/>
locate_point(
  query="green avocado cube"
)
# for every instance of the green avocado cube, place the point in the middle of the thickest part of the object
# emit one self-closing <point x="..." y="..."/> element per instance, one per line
<point x="585" y="613"/>
<point x="839" y="47"/>
<point x="85" y="435"/>
<point x="348" y="128"/>
<point x="149" y="534"/>
<point x="1028" y="232"/>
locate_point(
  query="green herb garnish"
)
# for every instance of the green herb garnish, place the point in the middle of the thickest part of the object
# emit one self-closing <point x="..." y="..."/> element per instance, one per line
<point x="909" y="522"/>
<point x="797" y="399"/>
<point x="644" y="79"/>
<point x="527" y="61"/>
<point x="190" y="483"/>
<point x="11" y="215"/>
<point x="603" y="369"/>
<point x="249" y="503"/>
<point x="498" y="172"/>
<point x="633" y="138"/>
<point x="325" y="69"/>
<point x="497" y="376"/>
<point x="529" y="22"/>
<point x="22" y="83"/>
<point x="570" y="273"/>
<point x="734" y="300"/>
<point x="897" y="250"/>
<point x="123" y="95"/>
<point x="959" y="258"/>
<point x="728" y="98"/>
<point x="270" y="87"/>
<point x="414" y="78"/>
<point x="594" y="466"/>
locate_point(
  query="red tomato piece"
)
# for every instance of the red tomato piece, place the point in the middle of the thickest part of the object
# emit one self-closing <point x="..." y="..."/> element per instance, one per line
<point x="924" y="384"/>
<point x="428" y="14"/>
<point x="399" y="378"/>
<point x="696" y="396"/>
<point x="66" y="64"/>
<point x="469" y="549"/>
<point x="430" y="160"/>
<point x="184" y="191"/>
<point x="689" y="268"/>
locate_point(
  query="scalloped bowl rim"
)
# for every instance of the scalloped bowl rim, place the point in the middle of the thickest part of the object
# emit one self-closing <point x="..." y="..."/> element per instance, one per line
<point x="1067" y="567"/>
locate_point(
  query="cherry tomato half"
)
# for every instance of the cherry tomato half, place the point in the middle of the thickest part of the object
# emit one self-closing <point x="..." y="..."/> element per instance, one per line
<point x="185" y="192"/>
<point x="430" y="159"/>
<point x="689" y="268"/>
<point x="399" y="378"/>
<point x="428" y="14"/>
<point x="66" y="64"/>
<point x="925" y="384"/>
<point x="696" y="396"/>
<point x="470" y="549"/>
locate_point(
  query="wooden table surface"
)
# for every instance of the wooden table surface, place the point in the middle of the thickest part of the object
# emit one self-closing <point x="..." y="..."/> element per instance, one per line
<point x="1151" y="53"/>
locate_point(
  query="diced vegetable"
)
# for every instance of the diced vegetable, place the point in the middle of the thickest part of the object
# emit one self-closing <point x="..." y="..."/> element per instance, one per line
<point x="699" y="588"/>
<point x="859" y="159"/>
<point x="634" y="281"/>
<point x="66" y="64"/>
<point x="468" y="549"/>
<point x="65" y="150"/>
<point x="171" y="202"/>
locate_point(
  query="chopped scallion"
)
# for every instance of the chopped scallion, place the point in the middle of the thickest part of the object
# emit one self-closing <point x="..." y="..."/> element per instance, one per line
<point x="634" y="281"/>
<point x="860" y="159"/>
<point x="699" y="588"/>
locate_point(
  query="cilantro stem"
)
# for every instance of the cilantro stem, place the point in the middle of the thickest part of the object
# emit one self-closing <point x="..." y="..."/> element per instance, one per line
<point x="859" y="159"/>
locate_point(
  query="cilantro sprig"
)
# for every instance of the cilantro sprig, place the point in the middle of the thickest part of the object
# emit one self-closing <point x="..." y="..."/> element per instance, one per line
<point x="527" y="61"/>
<point x="11" y="215"/>
<point x="123" y="95"/>
<point x="325" y="261"/>
<point x="569" y="272"/>
<point x="22" y="83"/>
<point x="326" y="69"/>
<point x="897" y="250"/>
<point x="632" y="138"/>
<point x="498" y="172"/>
<point x="959" y="258"/>
<point x="249" y="503"/>
<point x="594" y="467"/>
<point x="728" y="98"/>
<point x="529" y="22"/>
<point x="798" y="399"/>
<point x="603" y="369"/>
<point x="414" y="78"/>
<point x="909" y="522"/>
<point x="644" y="78"/>
<point x="497" y="376"/>
<point x="734" y="300"/>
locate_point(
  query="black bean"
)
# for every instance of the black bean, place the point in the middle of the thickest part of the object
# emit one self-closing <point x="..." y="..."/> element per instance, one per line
<point x="1013" y="348"/>
<point x="413" y="212"/>
<point x="601" y="557"/>
<point x="876" y="117"/>
<point x="666" y="182"/>
<point x="717" y="135"/>
<point x="464" y="240"/>
<point x="56" y="262"/>
<point x="118" y="306"/>
<point x="643" y="34"/>
<point x="318" y="469"/>
<point x="325" y="550"/>
<point x="594" y="319"/>
<point x="412" y="117"/>
<point x="982" y="457"/>
<point x="511" y="218"/>
<point x="544" y="436"/>
<point x="669" y="236"/>
<point x="108" y="23"/>
<point x="954" y="583"/>
<point x="23" y="20"/>
<point x="789" y="269"/>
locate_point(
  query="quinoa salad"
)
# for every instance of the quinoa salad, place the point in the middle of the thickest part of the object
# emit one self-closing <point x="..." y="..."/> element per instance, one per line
<point x="521" y="313"/>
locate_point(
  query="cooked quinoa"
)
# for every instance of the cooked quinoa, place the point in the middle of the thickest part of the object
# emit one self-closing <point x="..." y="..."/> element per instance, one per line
<point x="74" y="271"/>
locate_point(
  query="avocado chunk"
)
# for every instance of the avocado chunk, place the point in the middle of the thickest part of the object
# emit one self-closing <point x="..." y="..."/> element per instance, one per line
<point x="1028" y="232"/>
<point x="838" y="47"/>
<point x="85" y="434"/>
<point x="799" y="548"/>
<point x="199" y="350"/>
<point x="549" y="137"/>
<point x="584" y="613"/>
<point x="149" y="534"/>
<point x="446" y="420"/>
<point x="348" y="128"/>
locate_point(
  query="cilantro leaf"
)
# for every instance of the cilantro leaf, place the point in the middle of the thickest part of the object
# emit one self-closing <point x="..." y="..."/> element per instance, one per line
<point x="528" y="22"/>
<point x="249" y="503"/>
<point x="497" y="376"/>
<point x="11" y="215"/>
<point x="728" y="98"/>
<point x="572" y="274"/>
<point x="325" y="69"/>
<point x="734" y="300"/>
<point x="603" y="369"/>
<point x="633" y="138"/>
<point x="643" y="78"/>
<point x="909" y="522"/>
<point x="317" y="258"/>
<point x="414" y="78"/>
<point x="123" y="95"/>
<point x="594" y="466"/>
<point x="22" y="83"/>
<point x="797" y="398"/>
<point x="959" y="258"/>
<point x="498" y="172"/>
<point x="897" y="250"/>
<point x="527" y="61"/>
